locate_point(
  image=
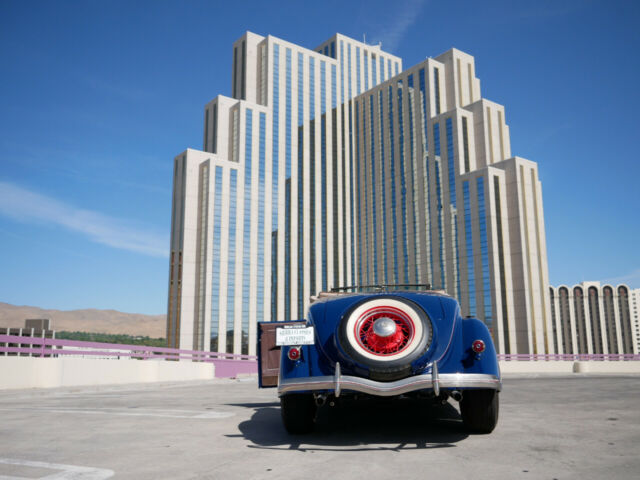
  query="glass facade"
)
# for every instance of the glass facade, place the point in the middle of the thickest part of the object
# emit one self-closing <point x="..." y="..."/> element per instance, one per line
<point x="364" y="191"/>
<point x="392" y="169"/>
<point x="215" y="264"/>
<point x="425" y="155"/>
<point x="312" y="175"/>
<point x="374" y="197"/>
<point x="366" y="70"/>
<point x="246" y="233"/>
<point x="374" y="70"/>
<point x="275" y="155"/>
<point x="287" y="203"/>
<point x="465" y="143"/>
<point x="453" y="200"/>
<point x="439" y="205"/>
<point x="358" y="72"/>
<point x="330" y="203"/>
<point x="436" y="88"/>
<point x="501" y="260"/>
<point x="417" y="253"/>
<point x="403" y="187"/>
<point x="471" y="278"/>
<point x="383" y="189"/>
<point x="359" y="196"/>
<point x="323" y="170"/>
<point x="301" y="188"/>
<point x="261" y="213"/>
<point x="484" y="255"/>
<point x="231" y="263"/>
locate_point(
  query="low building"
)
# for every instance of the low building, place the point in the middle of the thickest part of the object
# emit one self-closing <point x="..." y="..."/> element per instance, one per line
<point x="37" y="327"/>
<point x="590" y="318"/>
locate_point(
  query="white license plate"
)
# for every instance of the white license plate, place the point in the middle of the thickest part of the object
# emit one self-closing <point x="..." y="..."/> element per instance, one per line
<point x="294" y="336"/>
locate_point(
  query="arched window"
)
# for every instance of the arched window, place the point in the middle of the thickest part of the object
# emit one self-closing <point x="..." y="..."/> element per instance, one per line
<point x="625" y="319"/>
<point x="581" y="323"/>
<point x="565" y="320"/>
<point x="610" y="319"/>
<point x="553" y="320"/>
<point x="594" y="317"/>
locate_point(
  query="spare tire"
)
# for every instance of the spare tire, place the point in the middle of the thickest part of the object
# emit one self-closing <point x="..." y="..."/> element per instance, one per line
<point x="385" y="334"/>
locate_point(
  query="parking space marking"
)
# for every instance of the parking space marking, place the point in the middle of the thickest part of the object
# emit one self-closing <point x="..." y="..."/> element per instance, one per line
<point x="64" y="472"/>
<point x="199" y="414"/>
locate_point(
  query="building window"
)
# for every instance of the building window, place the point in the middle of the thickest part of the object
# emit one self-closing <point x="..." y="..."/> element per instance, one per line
<point x="231" y="265"/>
<point x="484" y="252"/>
<point x="246" y="252"/>
<point x="215" y="265"/>
<point x="471" y="279"/>
<point x="465" y="142"/>
<point x="436" y="87"/>
<point x="403" y="186"/>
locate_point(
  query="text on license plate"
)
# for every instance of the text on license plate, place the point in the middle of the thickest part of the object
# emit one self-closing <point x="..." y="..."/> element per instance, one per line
<point x="294" y="336"/>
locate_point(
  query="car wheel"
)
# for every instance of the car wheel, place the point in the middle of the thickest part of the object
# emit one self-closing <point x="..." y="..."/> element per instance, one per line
<point x="386" y="334"/>
<point x="479" y="410"/>
<point x="298" y="412"/>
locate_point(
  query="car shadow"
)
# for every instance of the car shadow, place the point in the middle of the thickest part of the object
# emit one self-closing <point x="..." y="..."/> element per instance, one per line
<point x="358" y="426"/>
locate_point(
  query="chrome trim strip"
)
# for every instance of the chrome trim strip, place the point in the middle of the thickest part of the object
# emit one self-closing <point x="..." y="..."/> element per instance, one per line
<point x="340" y="383"/>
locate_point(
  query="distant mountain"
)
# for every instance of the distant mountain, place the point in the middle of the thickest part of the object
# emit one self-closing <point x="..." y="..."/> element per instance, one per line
<point x="90" y="320"/>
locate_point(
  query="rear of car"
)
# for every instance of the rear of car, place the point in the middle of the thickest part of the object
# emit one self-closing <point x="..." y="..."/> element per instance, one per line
<point x="384" y="344"/>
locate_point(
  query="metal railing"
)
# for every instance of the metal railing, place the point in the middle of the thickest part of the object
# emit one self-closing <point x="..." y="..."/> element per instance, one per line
<point x="226" y="364"/>
<point x="601" y="357"/>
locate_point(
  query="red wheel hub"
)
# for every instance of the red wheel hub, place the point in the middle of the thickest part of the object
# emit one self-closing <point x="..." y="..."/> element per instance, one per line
<point x="393" y="343"/>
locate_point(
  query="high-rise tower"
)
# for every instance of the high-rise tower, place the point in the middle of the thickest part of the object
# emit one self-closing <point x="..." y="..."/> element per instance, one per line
<point x="333" y="167"/>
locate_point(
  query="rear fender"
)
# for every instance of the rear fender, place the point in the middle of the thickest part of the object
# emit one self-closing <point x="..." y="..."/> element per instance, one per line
<point x="485" y="362"/>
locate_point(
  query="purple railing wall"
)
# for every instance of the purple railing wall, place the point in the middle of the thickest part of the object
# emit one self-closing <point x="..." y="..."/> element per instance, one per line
<point x="615" y="357"/>
<point x="226" y="364"/>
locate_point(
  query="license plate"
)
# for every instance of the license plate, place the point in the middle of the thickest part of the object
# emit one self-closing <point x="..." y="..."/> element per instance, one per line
<point x="294" y="336"/>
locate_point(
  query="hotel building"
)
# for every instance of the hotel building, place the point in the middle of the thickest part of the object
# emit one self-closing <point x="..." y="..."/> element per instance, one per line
<point x="335" y="166"/>
<point x="590" y="318"/>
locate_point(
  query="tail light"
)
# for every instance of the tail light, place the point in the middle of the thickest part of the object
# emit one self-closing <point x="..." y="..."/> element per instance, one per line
<point x="294" y="353"/>
<point x="478" y="346"/>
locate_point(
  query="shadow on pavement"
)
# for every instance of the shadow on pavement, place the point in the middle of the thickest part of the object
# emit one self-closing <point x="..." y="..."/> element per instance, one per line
<point x="358" y="426"/>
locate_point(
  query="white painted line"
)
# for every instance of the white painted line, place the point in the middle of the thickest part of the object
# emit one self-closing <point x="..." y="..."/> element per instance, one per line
<point x="208" y="414"/>
<point x="65" y="472"/>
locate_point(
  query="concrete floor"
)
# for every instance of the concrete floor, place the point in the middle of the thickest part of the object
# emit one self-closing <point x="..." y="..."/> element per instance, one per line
<point x="551" y="427"/>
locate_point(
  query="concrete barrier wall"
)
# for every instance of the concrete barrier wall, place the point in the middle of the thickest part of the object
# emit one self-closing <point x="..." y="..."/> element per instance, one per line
<point x="569" y="367"/>
<point x="28" y="372"/>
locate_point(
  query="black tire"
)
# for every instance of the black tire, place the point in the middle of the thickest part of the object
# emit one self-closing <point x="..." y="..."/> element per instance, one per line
<point x="479" y="410"/>
<point x="298" y="412"/>
<point x="390" y="368"/>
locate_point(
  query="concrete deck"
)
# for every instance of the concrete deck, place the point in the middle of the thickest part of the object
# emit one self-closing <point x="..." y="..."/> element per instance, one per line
<point x="551" y="427"/>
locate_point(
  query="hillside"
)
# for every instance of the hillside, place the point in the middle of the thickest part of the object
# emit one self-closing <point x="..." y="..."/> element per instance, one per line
<point x="89" y="320"/>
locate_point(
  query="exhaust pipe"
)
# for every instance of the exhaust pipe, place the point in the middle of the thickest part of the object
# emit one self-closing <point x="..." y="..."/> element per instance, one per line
<point x="456" y="395"/>
<point x="321" y="399"/>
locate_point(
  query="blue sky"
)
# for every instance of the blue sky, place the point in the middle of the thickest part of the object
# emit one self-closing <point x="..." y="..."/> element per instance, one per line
<point x="96" y="98"/>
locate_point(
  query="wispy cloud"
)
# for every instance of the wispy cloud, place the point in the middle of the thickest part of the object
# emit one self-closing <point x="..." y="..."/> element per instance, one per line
<point x="632" y="279"/>
<point x="27" y="206"/>
<point x="392" y="33"/>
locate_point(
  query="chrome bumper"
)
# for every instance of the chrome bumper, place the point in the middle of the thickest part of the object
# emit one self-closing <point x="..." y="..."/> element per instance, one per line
<point x="432" y="381"/>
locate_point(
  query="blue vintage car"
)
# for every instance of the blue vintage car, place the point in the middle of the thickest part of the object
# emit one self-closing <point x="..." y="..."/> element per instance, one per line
<point x="387" y="343"/>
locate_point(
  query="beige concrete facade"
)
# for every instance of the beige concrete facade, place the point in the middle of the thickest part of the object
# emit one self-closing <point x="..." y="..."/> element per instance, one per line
<point x="281" y="202"/>
<point x="442" y="201"/>
<point x="590" y="318"/>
